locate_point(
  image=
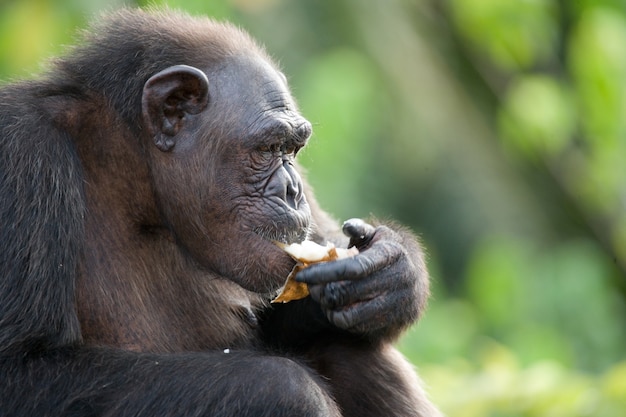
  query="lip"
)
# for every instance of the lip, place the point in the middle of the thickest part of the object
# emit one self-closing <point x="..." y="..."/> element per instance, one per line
<point x="286" y="236"/>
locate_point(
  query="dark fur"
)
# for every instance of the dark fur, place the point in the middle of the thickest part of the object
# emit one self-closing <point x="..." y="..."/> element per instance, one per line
<point x="103" y="312"/>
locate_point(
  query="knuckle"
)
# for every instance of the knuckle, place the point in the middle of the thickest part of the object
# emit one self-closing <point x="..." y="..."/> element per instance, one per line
<point x="354" y="268"/>
<point x="353" y="227"/>
<point x="316" y="291"/>
<point x="341" y="319"/>
<point x="336" y="294"/>
<point x="383" y="232"/>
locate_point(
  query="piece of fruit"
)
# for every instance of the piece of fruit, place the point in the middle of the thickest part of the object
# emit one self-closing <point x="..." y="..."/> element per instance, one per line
<point x="307" y="253"/>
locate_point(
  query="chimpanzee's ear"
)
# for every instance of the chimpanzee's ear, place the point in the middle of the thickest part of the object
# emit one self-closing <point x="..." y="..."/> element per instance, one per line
<point x="168" y="97"/>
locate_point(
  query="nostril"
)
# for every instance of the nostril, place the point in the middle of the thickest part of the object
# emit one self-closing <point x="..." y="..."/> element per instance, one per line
<point x="297" y="197"/>
<point x="294" y="194"/>
<point x="294" y="189"/>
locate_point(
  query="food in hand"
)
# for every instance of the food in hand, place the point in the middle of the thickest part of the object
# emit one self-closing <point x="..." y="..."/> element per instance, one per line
<point x="307" y="253"/>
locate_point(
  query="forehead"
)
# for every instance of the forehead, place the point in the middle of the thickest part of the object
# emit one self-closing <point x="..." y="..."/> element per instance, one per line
<point x="252" y="79"/>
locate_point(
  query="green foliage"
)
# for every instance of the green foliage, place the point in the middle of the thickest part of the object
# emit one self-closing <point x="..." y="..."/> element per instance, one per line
<point x="514" y="34"/>
<point x="523" y="294"/>
<point x="538" y="116"/>
<point x="348" y="80"/>
<point x="496" y="385"/>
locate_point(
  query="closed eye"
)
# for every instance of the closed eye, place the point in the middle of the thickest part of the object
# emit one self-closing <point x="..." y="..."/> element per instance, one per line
<point x="274" y="148"/>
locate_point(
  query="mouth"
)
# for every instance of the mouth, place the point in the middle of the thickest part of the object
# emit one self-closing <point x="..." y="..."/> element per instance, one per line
<point x="287" y="237"/>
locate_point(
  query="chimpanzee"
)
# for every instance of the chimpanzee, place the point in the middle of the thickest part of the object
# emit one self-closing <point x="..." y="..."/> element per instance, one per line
<point x="145" y="179"/>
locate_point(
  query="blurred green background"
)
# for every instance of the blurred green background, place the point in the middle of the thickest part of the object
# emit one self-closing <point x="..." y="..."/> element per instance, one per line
<point x="496" y="129"/>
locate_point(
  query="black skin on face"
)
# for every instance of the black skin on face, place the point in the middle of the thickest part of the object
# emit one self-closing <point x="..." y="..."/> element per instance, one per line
<point x="143" y="180"/>
<point x="254" y="187"/>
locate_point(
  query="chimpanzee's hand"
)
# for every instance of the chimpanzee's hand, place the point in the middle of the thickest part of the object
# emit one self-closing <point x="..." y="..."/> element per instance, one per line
<point x="376" y="293"/>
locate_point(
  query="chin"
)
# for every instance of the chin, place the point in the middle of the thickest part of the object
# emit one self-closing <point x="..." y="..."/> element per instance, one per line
<point x="263" y="267"/>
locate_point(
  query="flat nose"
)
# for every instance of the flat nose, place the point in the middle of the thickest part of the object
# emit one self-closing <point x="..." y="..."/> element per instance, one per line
<point x="286" y="184"/>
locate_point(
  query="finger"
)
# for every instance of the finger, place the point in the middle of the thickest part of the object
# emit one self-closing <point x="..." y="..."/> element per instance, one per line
<point x="351" y="268"/>
<point x="364" y="317"/>
<point x="365" y="263"/>
<point x="371" y="315"/>
<point x="359" y="232"/>
<point x="340" y="294"/>
<point x="315" y="291"/>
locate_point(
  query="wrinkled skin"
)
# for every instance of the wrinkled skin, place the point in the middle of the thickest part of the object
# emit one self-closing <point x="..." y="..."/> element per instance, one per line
<point x="252" y="190"/>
